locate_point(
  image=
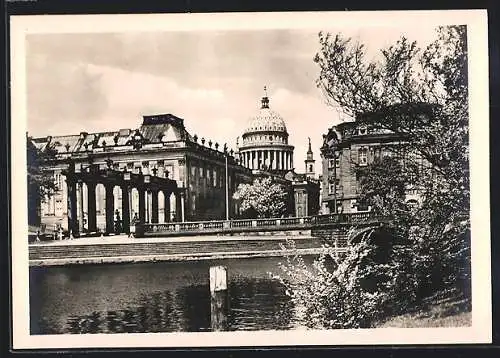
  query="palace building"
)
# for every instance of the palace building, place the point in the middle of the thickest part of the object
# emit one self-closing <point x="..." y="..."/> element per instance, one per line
<point x="159" y="173"/>
<point x="190" y="173"/>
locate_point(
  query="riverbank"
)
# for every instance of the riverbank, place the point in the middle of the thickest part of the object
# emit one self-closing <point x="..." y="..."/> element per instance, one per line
<point x="452" y="310"/>
<point x="122" y="249"/>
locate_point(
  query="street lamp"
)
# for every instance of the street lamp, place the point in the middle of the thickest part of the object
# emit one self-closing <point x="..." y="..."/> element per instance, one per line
<point x="227" y="188"/>
<point x="336" y="156"/>
<point x="147" y="180"/>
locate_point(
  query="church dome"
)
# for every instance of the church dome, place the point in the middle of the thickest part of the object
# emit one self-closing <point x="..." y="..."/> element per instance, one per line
<point x="266" y="120"/>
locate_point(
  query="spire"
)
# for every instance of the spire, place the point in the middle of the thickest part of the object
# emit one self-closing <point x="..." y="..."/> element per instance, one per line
<point x="265" y="99"/>
<point x="309" y="150"/>
<point x="309" y="162"/>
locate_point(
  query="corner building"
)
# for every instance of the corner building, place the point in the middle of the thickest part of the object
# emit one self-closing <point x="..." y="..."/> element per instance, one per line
<point x="354" y="144"/>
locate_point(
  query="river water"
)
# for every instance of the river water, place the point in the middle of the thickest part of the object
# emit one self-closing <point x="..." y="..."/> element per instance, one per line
<point x="155" y="297"/>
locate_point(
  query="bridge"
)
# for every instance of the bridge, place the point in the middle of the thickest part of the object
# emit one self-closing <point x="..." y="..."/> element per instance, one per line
<point x="318" y="225"/>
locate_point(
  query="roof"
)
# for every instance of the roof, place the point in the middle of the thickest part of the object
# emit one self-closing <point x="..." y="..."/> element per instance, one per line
<point x="266" y="120"/>
<point x="154" y="129"/>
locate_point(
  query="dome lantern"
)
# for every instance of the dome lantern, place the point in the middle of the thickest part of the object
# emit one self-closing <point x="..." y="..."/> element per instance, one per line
<point x="265" y="99"/>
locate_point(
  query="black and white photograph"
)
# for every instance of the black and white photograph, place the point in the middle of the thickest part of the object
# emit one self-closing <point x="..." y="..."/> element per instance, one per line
<point x="308" y="178"/>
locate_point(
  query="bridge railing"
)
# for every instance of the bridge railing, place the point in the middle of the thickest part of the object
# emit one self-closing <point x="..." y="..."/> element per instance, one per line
<point x="216" y="226"/>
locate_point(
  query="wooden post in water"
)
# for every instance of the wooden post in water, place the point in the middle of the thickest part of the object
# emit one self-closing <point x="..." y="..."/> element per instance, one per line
<point x="219" y="298"/>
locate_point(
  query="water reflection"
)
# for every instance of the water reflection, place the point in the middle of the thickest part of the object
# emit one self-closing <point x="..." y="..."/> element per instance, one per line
<point x="159" y="297"/>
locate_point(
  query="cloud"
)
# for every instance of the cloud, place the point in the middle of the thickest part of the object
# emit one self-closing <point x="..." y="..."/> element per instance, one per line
<point x="57" y="91"/>
<point x="214" y="80"/>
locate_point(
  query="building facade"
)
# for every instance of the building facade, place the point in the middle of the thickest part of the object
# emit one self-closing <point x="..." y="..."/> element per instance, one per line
<point x="350" y="145"/>
<point x="160" y="148"/>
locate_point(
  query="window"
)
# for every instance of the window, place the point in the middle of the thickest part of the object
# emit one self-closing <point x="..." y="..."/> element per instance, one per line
<point x="362" y="206"/>
<point x="334" y="187"/>
<point x="310" y="168"/>
<point x="271" y="137"/>
<point x="387" y="153"/>
<point x="363" y="156"/>
<point x="334" y="163"/>
<point x="362" y="130"/>
<point x="359" y="206"/>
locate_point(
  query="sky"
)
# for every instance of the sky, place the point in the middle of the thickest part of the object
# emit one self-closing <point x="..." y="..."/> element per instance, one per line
<point x="213" y="79"/>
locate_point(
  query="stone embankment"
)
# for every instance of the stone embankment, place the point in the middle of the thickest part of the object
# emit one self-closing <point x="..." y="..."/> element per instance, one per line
<point x="121" y="249"/>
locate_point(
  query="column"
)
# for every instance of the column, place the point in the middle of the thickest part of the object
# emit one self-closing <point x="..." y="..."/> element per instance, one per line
<point x="80" y="206"/>
<point x="126" y="208"/>
<point x="91" y="207"/>
<point x="166" y="206"/>
<point x="148" y="207"/>
<point x="72" y="209"/>
<point x="182" y="207"/>
<point x="282" y="161"/>
<point x="178" y="213"/>
<point x="291" y="160"/>
<point x="110" y="203"/>
<point x="142" y="205"/>
<point x="154" y="206"/>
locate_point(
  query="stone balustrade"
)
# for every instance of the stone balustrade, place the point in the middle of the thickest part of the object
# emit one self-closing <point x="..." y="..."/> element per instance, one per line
<point x="248" y="225"/>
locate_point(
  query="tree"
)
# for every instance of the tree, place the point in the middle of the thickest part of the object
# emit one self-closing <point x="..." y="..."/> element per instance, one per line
<point x="262" y="198"/>
<point x="40" y="184"/>
<point x="421" y="95"/>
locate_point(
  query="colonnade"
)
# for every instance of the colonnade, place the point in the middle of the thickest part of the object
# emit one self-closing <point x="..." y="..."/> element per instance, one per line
<point x="272" y="158"/>
<point x="148" y="188"/>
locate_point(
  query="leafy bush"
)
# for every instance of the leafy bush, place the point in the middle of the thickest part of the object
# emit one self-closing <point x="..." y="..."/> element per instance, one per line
<point x="353" y="290"/>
